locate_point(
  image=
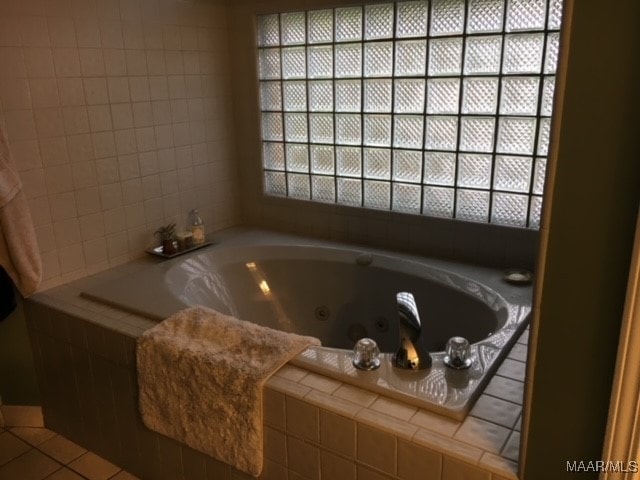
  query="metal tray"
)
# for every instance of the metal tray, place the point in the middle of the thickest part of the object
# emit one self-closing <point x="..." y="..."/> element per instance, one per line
<point x="157" y="251"/>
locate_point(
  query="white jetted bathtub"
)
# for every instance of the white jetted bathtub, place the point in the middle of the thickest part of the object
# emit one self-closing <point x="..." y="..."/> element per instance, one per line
<point x="339" y="294"/>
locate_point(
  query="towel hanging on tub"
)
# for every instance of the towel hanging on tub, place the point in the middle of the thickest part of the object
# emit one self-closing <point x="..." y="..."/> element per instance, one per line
<point x="19" y="254"/>
<point x="200" y="381"/>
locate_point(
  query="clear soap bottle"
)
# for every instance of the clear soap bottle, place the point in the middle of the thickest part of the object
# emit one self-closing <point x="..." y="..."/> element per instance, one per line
<point x="196" y="226"/>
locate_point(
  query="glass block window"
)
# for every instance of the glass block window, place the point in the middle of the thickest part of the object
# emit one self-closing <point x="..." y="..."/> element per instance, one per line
<point x="437" y="107"/>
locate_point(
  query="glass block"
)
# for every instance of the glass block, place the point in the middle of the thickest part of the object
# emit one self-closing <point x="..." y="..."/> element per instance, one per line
<point x="377" y="163"/>
<point x="349" y="161"/>
<point x="480" y="95"/>
<point x="482" y="55"/>
<point x="320" y="61"/>
<point x="294" y="62"/>
<point x="535" y="212"/>
<point x="447" y="17"/>
<point x="348" y="60"/>
<point x="472" y="205"/>
<point x="348" y="129"/>
<point x="443" y="95"/>
<point x="474" y="170"/>
<point x="298" y="186"/>
<point x="272" y="126"/>
<point x="445" y="56"/>
<point x="377" y="130"/>
<point x="485" y="16"/>
<point x="406" y="198"/>
<point x="439" y="168"/>
<point x="294" y="30"/>
<point x="378" y="21"/>
<point x="409" y="95"/>
<point x="412" y="19"/>
<point x="268" y="30"/>
<point x="297" y="157"/>
<point x="321" y="96"/>
<point x="539" y="175"/>
<point x="348" y="24"/>
<point x="441" y="133"/>
<point x="320" y="26"/>
<point x="543" y="136"/>
<point x="270" y="96"/>
<point x="407" y="131"/>
<point x="322" y="160"/>
<point x="410" y="58"/>
<point x="555" y="14"/>
<point x="323" y="189"/>
<point x="273" y="156"/>
<point x="377" y="96"/>
<point x="512" y="174"/>
<point x="509" y="209"/>
<point x="477" y="134"/>
<point x="349" y="191"/>
<point x="378" y="59"/>
<point x="295" y="127"/>
<point x="321" y="127"/>
<point x="523" y="15"/>
<point x="377" y="194"/>
<point x="548" y="89"/>
<point x="269" y="63"/>
<point x="407" y="166"/>
<point x="523" y="53"/>
<point x="295" y="96"/>
<point x="519" y="96"/>
<point x="348" y="95"/>
<point x="438" y="202"/>
<point x="516" y="135"/>
<point x="275" y="183"/>
<point x="551" y="54"/>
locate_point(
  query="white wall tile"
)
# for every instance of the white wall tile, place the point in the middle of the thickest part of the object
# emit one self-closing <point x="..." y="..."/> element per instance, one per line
<point x="62" y="31"/>
<point x="71" y="91"/>
<point x="91" y="92"/>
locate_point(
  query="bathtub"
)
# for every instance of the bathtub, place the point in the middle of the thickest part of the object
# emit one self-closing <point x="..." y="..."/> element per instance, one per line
<point x="340" y="293"/>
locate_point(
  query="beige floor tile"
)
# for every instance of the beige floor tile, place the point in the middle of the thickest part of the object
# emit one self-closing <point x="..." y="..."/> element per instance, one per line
<point x="94" y="467"/>
<point x="61" y="449"/>
<point x="64" y="474"/>
<point x="33" y="465"/>
<point x="22" y="416"/>
<point x="11" y="447"/>
<point x="33" y="435"/>
<point x="124" y="476"/>
<point x="482" y="434"/>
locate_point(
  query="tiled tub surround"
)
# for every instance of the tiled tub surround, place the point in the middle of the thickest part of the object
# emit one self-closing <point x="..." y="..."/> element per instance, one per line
<point x="316" y="427"/>
<point x="116" y="114"/>
<point x="283" y="281"/>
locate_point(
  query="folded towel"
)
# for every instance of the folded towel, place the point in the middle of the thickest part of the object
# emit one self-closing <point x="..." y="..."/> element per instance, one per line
<point x="200" y="380"/>
<point x="19" y="254"/>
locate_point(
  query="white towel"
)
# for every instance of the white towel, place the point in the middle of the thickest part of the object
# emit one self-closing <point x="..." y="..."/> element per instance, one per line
<point x="19" y="254"/>
<point x="200" y="381"/>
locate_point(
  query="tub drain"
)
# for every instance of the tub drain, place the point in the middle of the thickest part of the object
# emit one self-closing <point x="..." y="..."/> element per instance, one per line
<point x="322" y="313"/>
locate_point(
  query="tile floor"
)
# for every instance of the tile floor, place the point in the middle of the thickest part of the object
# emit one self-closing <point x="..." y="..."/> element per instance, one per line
<point x="30" y="452"/>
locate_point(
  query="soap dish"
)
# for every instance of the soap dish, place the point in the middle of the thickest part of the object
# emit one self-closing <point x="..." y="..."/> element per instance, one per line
<point x="518" y="276"/>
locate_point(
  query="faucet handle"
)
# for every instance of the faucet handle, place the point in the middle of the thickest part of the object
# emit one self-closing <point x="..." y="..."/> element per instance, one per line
<point x="458" y="353"/>
<point x="366" y="354"/>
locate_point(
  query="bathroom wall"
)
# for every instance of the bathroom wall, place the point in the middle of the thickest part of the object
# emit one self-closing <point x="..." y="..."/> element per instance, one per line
<point x="466" y="241"/>
<point x="587" y="241"/>
<point x="116" y="113"/>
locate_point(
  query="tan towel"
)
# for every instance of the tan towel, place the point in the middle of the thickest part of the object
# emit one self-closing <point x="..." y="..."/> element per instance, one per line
<point x="200" y="380"/>
<point x="19" y="254"/>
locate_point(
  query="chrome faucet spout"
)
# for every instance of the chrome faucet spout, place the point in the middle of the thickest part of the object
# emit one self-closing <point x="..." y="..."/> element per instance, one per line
<point x="411" y="354"/>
